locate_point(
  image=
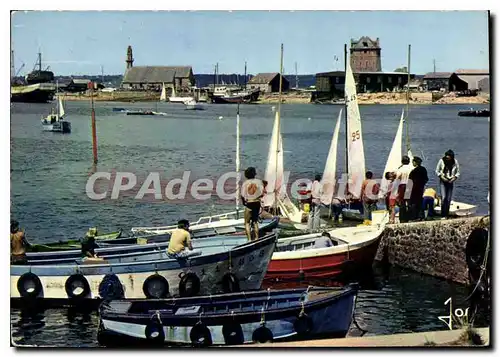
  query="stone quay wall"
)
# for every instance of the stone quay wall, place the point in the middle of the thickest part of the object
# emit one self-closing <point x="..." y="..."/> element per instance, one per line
<point x="435" y="248"/>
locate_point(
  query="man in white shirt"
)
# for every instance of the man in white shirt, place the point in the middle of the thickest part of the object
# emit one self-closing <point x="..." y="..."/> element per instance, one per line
<point x="314" y="213"/>
<point x="402" y="175"/>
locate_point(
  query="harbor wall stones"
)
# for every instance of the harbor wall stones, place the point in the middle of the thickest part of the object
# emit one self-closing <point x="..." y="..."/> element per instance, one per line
<point x="435" y="248"/>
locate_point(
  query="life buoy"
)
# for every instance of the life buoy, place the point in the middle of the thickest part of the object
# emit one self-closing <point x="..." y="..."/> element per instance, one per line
<point x="189" y="285"/>
<point x="262" y="335"/>
<point x="29" y="285"/>
<point x="230" y="283"/>
<point x="111" y="288"/>
<point x="303" y="325"/>
<point x="154" y="332"/>
<point x="155" y="287"/>
<point x="200" y="335"/>
<point x="233" y="334"/>
<point x="74" y="282"/>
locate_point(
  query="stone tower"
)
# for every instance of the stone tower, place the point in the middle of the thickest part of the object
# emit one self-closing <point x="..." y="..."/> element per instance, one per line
<point x="365" y="55"/>
<point x="130" y="58"/>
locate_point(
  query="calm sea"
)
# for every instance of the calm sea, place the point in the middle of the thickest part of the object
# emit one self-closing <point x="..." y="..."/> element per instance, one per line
<point x="49" y="173"/>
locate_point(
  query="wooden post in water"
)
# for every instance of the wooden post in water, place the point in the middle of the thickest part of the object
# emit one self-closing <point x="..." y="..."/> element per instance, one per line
<point x="92" y="113"/>
<point x="238" y="178"/>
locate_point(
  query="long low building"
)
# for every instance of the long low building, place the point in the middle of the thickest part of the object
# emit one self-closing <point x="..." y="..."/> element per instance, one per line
<point x="332" y="83"/>
<point x="153" y="77"/>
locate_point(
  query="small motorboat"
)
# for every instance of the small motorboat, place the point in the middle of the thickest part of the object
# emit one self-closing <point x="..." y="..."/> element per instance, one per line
<point x="192" y="104"/>
<point x="56" y="122"/>
<point x="122" y="110"/>
<point x="474" y="113"/>
<point x="458" y="209"/>
<point x="144" y="112"/>
<point x="230" y="319"/>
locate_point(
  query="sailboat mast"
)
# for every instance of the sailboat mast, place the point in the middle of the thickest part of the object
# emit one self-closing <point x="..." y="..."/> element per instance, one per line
<point x="345" y="114"/>
<point x="408" y="102"/>
<point x="237" y="160"/>
<point x="40" y="61"/>
<point x="245" y="79"/>
<point x="279" y="134"/>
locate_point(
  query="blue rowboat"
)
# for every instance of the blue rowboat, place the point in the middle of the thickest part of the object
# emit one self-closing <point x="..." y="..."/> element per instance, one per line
<point x="113" y="253"/>
<point x="238" y="269"/>
<point x="230" y="319"/>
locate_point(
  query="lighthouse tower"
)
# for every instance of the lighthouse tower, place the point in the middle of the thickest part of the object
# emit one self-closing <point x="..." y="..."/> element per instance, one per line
<point x="130" y="58"/>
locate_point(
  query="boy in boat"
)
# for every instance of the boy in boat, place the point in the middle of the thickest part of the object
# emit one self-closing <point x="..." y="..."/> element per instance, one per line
<point x="89" y="246"/>
<point x="180" y="246"/>
<point x="18" y="244"/>
<point x="369" y="194"/>
<point x="252" y="192"/>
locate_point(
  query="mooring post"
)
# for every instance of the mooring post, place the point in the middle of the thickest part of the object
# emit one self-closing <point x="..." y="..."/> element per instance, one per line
<point x="92" y="113"/>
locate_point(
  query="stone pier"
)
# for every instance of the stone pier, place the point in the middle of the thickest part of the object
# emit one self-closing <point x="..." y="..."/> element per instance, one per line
<point x="435" y="248"/>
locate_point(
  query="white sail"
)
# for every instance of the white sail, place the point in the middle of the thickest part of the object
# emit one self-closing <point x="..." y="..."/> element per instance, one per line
<point x="61" y="108"/>
<point x="355" y="151"/>
<point x="274" y="169"/>
<point x="328" y="178"/>
<point x="395" y="155"/>
<point x="163" y="96"/>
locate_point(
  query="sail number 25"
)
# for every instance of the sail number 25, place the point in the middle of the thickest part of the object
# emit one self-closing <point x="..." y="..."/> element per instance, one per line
<point x="355" y="135"/>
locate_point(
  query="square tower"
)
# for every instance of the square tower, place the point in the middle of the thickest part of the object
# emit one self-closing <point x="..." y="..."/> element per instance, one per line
<point x="365" y="55"/>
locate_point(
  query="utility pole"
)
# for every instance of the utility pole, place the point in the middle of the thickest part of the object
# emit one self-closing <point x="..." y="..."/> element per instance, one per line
<point x="296" y="77"/>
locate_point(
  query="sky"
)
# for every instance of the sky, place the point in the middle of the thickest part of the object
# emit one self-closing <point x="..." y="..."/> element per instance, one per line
<point x="80" y="42"/>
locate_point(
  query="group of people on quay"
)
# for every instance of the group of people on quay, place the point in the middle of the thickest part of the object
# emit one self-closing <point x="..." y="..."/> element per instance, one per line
<point x="418" y="205"/>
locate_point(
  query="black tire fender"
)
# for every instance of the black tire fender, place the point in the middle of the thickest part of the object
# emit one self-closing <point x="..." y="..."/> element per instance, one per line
<point x="200" y="335"/>
<point x="185" y="290"/>
<point x="37" y="288"/>
<point x="262" y="335"/>
<point x="77" y="278"/>
<point x="230" y="283"/>
<point x="111" y="288"/>
<point x="149" y="287"/>
<point x="154" y="332"/>
<point x="303" y="325"/>
<point x="233" y="334"/>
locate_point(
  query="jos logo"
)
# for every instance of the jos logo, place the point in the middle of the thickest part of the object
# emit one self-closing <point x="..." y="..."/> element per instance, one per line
<point x="457" y="313"/>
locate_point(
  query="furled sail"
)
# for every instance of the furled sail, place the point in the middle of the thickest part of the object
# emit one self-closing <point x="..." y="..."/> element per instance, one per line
<point x="274" y="169"/>
<point x="395" y="155"/>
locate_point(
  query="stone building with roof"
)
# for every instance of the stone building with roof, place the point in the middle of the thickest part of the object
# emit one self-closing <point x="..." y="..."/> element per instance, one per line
<point x="153" y="77"/>
<point x="365" y="55"/>
<point x="474" y="78"/>
<point x="268" y="83"/>
<point x="447" y="81"/>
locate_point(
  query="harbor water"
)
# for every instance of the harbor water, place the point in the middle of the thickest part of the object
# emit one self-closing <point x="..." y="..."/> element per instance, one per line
<point x="49" y="173"/>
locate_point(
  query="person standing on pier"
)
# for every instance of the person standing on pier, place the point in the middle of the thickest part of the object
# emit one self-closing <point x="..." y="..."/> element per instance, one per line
<point x="402" y="176"/>
<point x="313" y="222"/>
<point x="18" y="244"/>
<point x="252" y="192"/>
<point x="448" y="171"/>
<point x="419" y="178"/>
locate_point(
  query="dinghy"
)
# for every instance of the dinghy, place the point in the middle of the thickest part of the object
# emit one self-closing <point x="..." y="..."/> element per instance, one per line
<point x="70" y="244"/>
<point x="230" y="319"/>
<point x="192" y="104"/>
<point x="56" y="122"/>
<point x="226" y="223"/>
<point x="315" y="255"/>
<point x="238" y="269"/>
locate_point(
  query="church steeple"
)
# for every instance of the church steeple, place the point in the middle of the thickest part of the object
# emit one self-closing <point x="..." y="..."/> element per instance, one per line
<point x="130" y="58"/>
